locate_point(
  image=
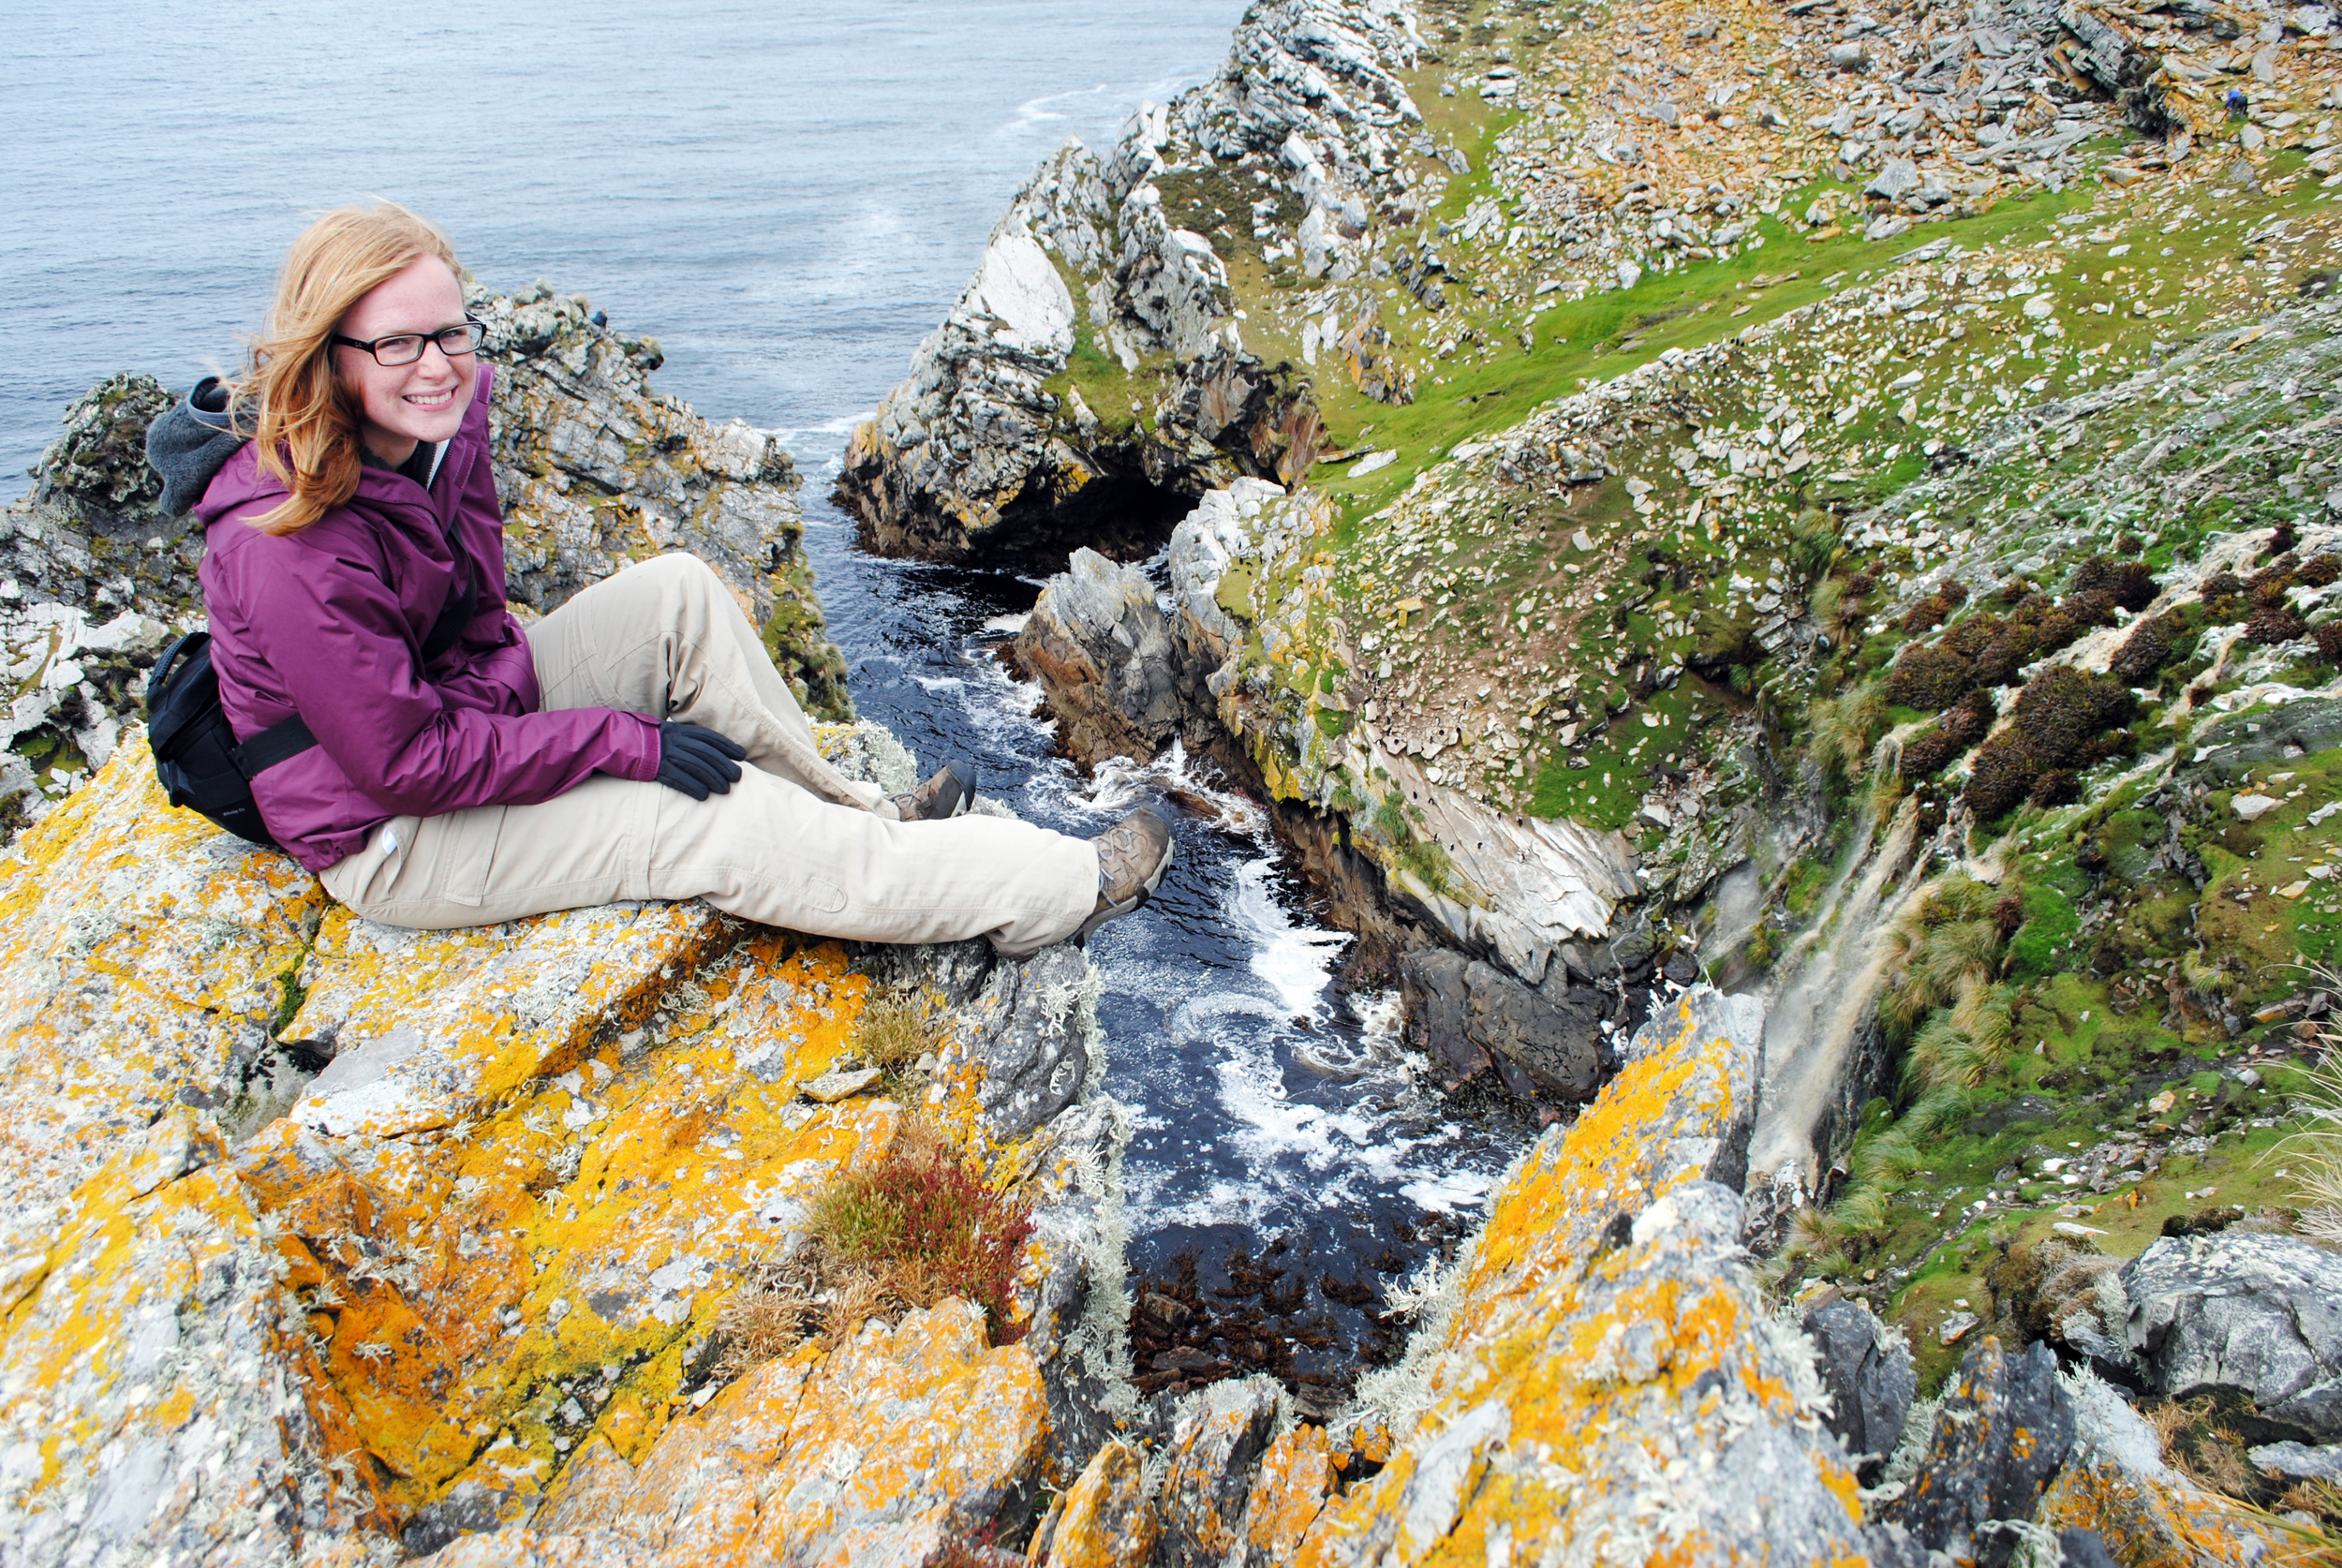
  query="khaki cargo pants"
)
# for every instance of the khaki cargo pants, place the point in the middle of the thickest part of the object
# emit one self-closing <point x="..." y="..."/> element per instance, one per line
<point x="795" y="844"/>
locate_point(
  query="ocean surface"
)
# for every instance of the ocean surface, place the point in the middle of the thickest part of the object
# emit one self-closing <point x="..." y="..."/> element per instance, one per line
<point x="789" y="197"/>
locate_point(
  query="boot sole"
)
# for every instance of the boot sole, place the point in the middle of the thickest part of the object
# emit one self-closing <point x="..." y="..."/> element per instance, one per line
<point x="1113" y="910"/>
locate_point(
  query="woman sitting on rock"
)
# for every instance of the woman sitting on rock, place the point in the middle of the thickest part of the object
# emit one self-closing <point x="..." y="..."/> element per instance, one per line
<point x="468" y="770"/>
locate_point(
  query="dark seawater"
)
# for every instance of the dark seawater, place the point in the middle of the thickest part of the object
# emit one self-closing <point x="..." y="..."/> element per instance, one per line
<point x="788" y="197"/>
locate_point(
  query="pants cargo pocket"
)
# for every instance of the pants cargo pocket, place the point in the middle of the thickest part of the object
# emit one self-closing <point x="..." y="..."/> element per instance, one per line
<point x="471" y="854"/>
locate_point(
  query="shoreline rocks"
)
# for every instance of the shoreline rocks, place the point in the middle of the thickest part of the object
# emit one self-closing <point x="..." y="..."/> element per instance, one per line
<point x="1100" y="270"/>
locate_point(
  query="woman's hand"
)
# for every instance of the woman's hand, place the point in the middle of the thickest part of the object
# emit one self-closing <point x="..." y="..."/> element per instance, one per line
<point x="698" y="761"/>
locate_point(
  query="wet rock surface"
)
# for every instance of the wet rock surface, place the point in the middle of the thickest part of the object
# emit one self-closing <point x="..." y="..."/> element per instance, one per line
<point x="1469" y="1015"/>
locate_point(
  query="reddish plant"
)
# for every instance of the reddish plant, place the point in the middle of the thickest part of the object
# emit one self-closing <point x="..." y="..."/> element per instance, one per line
<point x="2274" y="626"/>
<point x="2144" y="651"/>
<point x="924" y="1227"/>
<point x="1927" y="677"/>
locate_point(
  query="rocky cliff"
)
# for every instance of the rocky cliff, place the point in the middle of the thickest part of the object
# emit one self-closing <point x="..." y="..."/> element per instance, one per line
<point x="594" y="467"/>
<point x="333" y="1243"/>
<point x="1839" y="500"/>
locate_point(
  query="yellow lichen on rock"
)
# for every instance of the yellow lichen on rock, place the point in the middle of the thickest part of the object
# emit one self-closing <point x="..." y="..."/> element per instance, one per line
<point x="1295" y="1477"/>
<point x="1607" y="1382"/>
<point x="2149" y="1515"/>
<point x="1106" y="1519"/>
<point x="498" y="1288"/>
<point x="247" y="1315"/>
<point x="906" y="1438"/>
<point x="141" y="951"/>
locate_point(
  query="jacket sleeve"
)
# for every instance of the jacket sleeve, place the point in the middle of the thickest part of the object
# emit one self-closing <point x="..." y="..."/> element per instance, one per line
<point x="333" y="633"/>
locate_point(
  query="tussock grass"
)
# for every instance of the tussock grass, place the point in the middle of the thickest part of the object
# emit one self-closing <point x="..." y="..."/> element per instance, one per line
<point x="2316" y="1149"/>
<point x="1843" y="728"/>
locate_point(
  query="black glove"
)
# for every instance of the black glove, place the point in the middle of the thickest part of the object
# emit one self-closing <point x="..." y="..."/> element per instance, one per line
<point x="698" y="761"/>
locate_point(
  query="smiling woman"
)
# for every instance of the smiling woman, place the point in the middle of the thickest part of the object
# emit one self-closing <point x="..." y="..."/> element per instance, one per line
<point x="436" y="765"/>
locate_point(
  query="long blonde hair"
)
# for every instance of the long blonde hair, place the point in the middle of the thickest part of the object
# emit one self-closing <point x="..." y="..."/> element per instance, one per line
<point x="289" y="396"/>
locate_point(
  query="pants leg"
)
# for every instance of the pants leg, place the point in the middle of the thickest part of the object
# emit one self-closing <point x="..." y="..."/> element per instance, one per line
<point x="666" y="637"/>
<point x="768" y="851"/>
<point x="658" y="639"/>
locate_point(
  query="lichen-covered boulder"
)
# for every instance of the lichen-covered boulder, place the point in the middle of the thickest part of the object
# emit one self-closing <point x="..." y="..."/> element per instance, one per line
<point x="1106" y="1519"/>
<point x="2116" y="1487"/>
<point x="324" y="1233"/>
<point x="1290" y="1489"/>
<point x="907" y="1438"/>
<point x="2001" y="1435"/>
<point x="1217" y="1436"/>
<point x="1606" y="1384"/>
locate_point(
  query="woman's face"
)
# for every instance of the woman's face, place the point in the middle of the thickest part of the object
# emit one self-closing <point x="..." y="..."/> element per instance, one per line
<point x="401" y="404"/>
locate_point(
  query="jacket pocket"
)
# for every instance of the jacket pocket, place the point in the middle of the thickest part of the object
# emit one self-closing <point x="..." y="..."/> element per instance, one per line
<point x="471" y="856"/>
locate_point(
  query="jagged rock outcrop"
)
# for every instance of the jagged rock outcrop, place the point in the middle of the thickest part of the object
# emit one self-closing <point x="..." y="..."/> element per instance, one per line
<point x="1119" y="680"/>
<point x="2241" y="1310"/>
<point x="1468" y="1016"/>
<point x="1102" y="263"/>
<point x="1867" y="1368"/>
<point x="2116" y="1487"/>
<point x="2001" y="1436"/>
<point x="1604" y="1381"/>
<point x="325" y="1231"/>
<point x="1122" y="670"/>
<point x="1218" y="1435"/>
<point x="595" y="470"/>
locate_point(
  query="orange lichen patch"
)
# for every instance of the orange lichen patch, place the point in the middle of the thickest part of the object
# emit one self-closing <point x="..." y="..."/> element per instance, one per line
<point x="1608" y="1386"/>
<point x="2148" y="1523"/>
<point x="1104" y="1520"/>
<point x="1289" y="1491"/>
<point x="510" y="1277"/>
<point x="146" y="1375"/>
<point x="139" y="955"/>
<point x="906" y="1438"/>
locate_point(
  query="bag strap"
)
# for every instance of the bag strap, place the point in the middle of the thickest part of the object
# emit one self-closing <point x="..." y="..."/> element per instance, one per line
<point x="188" y="648"/>
<point x="280" y="741"/>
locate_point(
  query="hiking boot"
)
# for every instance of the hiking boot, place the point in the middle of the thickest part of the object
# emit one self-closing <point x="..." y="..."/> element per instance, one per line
<point x="946" y="793"/>
<point x="1132" y="855"/>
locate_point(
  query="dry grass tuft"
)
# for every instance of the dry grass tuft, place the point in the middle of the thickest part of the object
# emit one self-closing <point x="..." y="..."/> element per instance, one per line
<point x="2316" y="1149"/>
<point x="769" y="1318"/>
<point x="894" y="1031"/>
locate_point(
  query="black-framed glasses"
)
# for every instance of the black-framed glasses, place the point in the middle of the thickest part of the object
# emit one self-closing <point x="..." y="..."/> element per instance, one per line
<point x="406" y="348"/>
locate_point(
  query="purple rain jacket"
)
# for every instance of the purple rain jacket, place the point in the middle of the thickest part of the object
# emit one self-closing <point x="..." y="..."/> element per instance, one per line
<point x="330" y="622"/>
